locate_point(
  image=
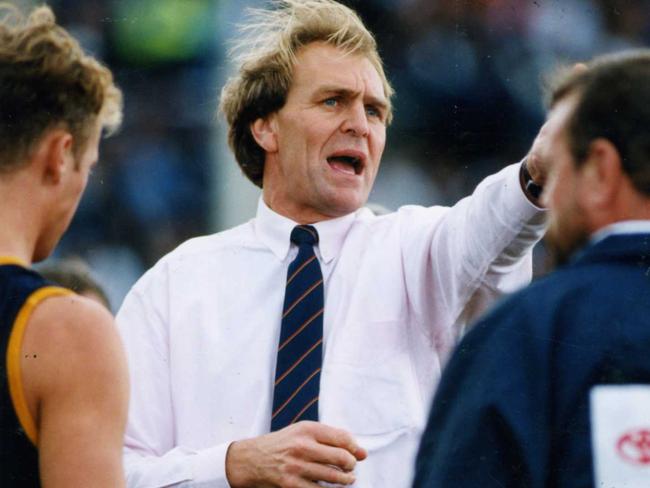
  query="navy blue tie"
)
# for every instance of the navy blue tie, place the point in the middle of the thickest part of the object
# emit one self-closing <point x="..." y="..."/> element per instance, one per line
<point x="300" y="350"/>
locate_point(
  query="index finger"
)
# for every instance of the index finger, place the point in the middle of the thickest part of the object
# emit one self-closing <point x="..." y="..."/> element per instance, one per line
<point x="334" y="437"/>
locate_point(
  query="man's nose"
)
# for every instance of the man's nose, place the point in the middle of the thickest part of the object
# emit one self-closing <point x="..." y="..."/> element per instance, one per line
<point x="356" y="120"/>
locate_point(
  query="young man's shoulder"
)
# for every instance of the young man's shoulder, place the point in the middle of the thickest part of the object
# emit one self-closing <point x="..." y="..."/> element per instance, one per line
<point x="70" y="339"/>
<point x="75" y="380"/>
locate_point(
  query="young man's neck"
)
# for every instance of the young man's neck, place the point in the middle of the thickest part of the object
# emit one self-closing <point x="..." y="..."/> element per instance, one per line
<point x="19" y="233"/>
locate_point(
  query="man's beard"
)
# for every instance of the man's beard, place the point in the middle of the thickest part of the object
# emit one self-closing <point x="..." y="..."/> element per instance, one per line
<point x="562" y="242"/>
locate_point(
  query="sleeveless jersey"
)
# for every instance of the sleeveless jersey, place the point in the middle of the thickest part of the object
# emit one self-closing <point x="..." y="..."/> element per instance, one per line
<point x="21" y="290"/>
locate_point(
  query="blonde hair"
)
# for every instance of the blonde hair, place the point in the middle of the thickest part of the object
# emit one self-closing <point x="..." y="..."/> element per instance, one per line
<point x="46" y="80"/>
<point x="266" y="56"/>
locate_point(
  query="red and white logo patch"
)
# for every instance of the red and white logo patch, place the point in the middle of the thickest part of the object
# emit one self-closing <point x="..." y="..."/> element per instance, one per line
<point x="620" y="435"/>
<point x="634" y="446"/>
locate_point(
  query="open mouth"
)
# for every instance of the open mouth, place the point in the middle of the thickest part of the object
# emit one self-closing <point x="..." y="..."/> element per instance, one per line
<point x="352" y="165"/>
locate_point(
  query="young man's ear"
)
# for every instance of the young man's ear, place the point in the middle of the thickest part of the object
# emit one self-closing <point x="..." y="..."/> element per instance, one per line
<point x="264" y="132"/>
<point x="54" y="155"/>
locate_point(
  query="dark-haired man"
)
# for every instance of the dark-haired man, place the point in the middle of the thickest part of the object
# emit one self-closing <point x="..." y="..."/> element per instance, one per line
<point x="552" y="389"/>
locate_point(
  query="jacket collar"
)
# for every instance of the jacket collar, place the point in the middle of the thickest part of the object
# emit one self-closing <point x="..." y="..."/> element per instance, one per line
<point x="617" y="246"/>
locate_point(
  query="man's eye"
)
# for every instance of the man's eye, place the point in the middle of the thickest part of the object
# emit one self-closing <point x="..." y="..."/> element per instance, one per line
<point x="331" y="102"/>
<point x="373" y="111"/>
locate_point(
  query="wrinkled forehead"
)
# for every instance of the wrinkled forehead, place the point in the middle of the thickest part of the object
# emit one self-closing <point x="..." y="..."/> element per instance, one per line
<point x="320" y="64"/>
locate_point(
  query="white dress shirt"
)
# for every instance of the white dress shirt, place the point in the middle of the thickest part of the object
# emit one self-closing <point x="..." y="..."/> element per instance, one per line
<point x="201" y="329"/>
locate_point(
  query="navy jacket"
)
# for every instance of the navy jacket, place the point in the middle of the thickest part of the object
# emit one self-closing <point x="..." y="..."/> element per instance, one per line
<point x="512" y="408"/>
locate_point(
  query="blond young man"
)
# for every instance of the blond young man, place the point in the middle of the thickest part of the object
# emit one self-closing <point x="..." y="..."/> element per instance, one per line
<point x="317" y="320"/>
<point x="63" y="395"/>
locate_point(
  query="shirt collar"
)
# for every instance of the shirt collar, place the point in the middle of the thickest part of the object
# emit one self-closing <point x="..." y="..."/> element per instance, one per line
<point x="274" y="230"/>
<point x="625" y="227"/>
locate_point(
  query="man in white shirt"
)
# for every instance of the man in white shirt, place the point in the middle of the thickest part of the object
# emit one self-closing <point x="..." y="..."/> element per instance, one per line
<point x="205" y="328"/>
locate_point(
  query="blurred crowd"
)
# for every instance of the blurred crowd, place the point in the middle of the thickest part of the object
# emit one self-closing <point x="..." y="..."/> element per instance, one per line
<point x="468" y="76"/>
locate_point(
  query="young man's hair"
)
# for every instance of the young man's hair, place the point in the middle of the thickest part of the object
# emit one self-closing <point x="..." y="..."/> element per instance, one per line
<point x="613" y="102"/>
<point x="267" y="55"/>
<point x="47" y="81"/>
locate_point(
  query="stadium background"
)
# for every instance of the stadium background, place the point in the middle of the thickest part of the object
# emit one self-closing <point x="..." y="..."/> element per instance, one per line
<point x="467" y="75"/>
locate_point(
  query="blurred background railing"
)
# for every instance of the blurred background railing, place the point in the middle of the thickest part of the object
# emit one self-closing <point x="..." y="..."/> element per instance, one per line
<point x="467" y="75"/>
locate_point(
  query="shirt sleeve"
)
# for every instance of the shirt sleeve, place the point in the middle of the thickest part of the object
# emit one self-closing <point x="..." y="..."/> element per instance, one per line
<point x="151" y="458"/>
<point x="459" y="260"/>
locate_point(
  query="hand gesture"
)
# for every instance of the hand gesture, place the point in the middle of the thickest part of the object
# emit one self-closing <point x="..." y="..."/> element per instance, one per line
<point x="299" y="456"/>
<point x="537" y="164"/>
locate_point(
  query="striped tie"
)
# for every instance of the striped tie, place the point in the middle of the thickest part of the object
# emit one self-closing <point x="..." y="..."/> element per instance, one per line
<point x="300" y="350"/>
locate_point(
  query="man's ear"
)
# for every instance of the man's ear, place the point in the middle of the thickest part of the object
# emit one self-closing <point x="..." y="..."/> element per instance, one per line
<point x="265" y="134"/>
<point x="602" y="174"/>
<point x="54" y="155"/>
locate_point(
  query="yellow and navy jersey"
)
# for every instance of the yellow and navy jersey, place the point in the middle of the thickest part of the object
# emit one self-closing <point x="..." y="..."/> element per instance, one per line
<point x="21" y="290"/>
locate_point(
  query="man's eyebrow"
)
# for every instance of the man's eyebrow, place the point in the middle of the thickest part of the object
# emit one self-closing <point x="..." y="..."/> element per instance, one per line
<point x="344" y="92"/>
<point x="380" y="103"/>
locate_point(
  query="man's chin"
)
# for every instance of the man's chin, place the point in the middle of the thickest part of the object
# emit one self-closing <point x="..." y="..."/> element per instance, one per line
<point x="343" y="204"/>
<point x="561" y="249"/>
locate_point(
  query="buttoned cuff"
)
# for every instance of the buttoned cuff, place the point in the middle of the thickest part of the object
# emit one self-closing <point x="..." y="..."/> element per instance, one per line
<point x="209" y="465"/>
